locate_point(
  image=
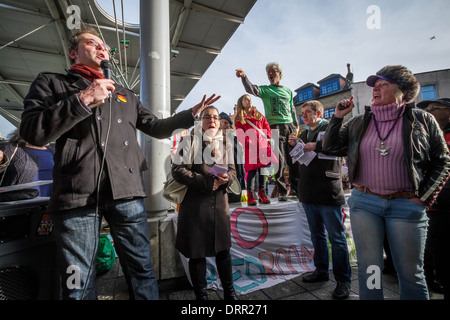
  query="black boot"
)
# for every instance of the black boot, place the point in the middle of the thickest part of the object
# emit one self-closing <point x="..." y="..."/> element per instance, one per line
<point x="224" y="268"/>
<point x="197" y="271"/>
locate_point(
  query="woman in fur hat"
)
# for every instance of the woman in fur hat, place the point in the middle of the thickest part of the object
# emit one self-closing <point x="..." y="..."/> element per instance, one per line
<point x="398" y="162"/>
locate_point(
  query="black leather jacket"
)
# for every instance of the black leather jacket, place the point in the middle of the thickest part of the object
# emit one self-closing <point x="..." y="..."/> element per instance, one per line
<point x="442" y="204"/>
<point x="426" y="152"/>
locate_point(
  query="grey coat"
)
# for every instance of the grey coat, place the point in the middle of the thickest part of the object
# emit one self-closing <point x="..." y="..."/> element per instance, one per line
<point x="204" y="217"/>
<point x="53" y="112"/>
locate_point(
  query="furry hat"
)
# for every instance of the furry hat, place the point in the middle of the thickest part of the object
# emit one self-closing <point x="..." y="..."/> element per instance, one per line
<point x="400" y="75"/>
<point x="223" y="115"/>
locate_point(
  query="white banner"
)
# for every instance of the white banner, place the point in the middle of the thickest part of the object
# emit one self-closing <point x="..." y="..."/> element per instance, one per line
<point x="270" y="244"/>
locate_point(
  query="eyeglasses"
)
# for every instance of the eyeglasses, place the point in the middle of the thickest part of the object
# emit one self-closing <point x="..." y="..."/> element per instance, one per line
<point x="207" y="118"/>
<point x="92" y="42"/>
<point x="431" y="108"/>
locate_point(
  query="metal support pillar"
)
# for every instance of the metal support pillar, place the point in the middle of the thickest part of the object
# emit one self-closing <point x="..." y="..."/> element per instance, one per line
<point x="155" y="94"/>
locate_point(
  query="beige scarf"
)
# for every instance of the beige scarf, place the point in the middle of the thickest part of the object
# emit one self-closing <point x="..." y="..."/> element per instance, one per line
<point x="213" y="153"/>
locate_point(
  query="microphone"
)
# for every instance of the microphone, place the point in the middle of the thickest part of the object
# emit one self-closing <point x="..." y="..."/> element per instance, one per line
<point x="106" y="67"/>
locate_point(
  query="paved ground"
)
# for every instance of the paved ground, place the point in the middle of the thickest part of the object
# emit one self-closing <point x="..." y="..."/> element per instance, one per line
<point x="112" y="286"/>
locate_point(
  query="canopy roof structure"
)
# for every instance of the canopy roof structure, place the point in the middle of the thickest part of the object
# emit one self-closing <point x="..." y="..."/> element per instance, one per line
<point x="35" y="35"/>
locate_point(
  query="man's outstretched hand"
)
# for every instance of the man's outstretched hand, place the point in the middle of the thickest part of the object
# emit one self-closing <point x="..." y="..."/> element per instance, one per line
<point x="204" y="104"/>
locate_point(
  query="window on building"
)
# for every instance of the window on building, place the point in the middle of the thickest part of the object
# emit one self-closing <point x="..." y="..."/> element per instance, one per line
<point x="429" y="92"/>
<point x="305" y="95"/>
<point x="328" y="113"/>
<point x="329" y="87"/>
<point x="301" y="120"/>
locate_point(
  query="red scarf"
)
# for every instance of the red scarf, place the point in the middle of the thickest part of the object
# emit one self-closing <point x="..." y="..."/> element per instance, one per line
<point x="86" y="72"/>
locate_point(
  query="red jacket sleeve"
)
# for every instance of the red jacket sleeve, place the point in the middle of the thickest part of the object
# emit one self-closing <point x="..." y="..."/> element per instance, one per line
<point x="266" y="126"/>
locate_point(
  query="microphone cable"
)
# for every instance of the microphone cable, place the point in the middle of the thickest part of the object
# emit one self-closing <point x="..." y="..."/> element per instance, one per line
<point x="97" y="229"/>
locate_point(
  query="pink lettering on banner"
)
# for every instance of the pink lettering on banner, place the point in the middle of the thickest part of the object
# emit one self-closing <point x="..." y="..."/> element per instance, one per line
<point x="287" y="257"/>
<point x="239" y="240"/>
<point x="269" y="260"/>
<point x="267" y="266"/>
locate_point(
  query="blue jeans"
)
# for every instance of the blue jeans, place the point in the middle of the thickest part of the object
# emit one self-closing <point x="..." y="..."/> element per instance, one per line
<point x="323" y="220"/>
<point x="77" y="237"/>
<point x="405" y="224"/>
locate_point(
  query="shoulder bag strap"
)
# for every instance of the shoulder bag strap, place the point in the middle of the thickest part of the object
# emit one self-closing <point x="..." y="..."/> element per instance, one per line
<point x="259" y="130"/>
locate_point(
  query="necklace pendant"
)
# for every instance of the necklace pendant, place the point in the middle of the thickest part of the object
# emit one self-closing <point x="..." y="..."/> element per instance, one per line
<point x="383" y="150"/>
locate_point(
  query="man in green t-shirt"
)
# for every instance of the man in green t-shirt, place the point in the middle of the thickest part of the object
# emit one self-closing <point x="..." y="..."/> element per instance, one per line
<point x="280" y="114"/>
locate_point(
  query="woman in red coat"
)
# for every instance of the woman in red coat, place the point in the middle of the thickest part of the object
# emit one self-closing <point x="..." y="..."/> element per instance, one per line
<point x="257" y="147"/>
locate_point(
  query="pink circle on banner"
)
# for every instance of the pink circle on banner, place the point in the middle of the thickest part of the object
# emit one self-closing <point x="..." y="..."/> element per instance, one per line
<point x="239" y="240"/>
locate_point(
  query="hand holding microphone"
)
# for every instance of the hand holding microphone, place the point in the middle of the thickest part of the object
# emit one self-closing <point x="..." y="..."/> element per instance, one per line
<point x="100" y="89"/>
<point x="106" y="67"/>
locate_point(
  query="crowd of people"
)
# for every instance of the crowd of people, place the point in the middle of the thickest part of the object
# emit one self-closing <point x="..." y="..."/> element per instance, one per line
<point x="74" y="132"/>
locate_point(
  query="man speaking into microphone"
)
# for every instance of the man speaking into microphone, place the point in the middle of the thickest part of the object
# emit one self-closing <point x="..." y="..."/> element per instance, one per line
<point x="98" y="166"/>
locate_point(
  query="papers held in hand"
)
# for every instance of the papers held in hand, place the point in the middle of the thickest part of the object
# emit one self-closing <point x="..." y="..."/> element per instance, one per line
<point x="299" y="155"/>
<point x="305" y="157"/>
<point x="218" y="170"/>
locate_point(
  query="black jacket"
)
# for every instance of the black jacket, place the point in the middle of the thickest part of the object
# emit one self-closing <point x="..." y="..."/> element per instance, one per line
<point x="53" y="112"/>
<point x="442" y="204"/>
<point x="426" y="152"/>
<point x="321" y="181"/>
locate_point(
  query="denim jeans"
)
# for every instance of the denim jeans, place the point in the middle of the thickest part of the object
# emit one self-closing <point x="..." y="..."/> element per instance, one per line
<point x="77" y="236"/>
<point x="323" y="220"/>
<point x="405" y="224"/>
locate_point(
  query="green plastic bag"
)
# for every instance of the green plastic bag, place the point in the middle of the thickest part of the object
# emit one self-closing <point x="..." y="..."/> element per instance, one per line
<point x="105" y="255"/>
